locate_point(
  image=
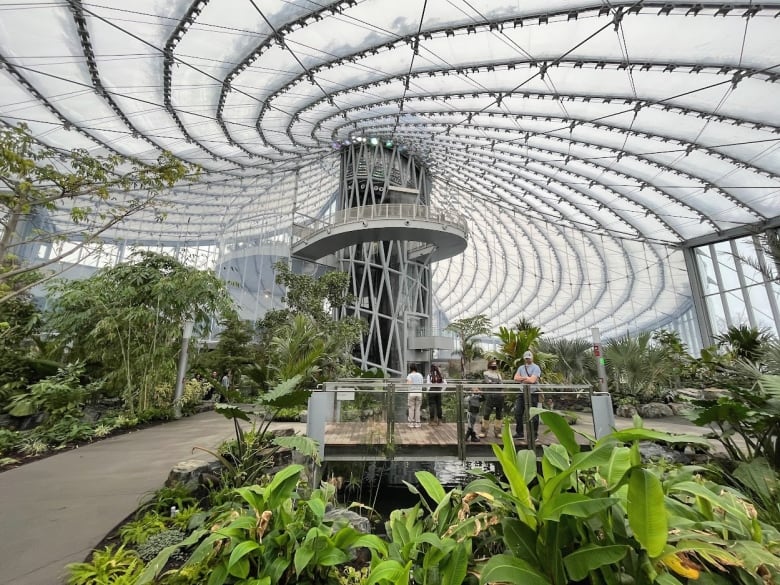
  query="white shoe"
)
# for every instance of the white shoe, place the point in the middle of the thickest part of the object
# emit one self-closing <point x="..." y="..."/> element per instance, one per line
<point x="410" y="425"/>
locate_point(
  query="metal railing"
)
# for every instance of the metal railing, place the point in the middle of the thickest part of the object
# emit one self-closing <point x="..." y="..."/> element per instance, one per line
<point x="381" y="406"/>
<point x="385" y="211"/>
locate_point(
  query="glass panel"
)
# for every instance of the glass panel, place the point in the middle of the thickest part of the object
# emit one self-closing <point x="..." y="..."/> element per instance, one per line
<point x="728" y="271"/>
<point x="717" y="315"/>
<point x="761" y="308"/>
<point x="707" y="271"/>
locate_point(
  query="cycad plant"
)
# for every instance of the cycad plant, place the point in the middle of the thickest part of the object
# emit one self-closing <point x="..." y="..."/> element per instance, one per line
<point x="636" y="368"/>
<point x="744" y="341"/>
<point x="574" y="362"/>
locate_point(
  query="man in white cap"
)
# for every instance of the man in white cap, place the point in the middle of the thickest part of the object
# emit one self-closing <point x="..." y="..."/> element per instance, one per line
<point x="528" y="373"/>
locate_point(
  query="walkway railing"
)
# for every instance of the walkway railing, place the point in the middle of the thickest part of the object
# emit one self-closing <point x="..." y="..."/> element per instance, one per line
<point x="367" y="419"/>
<point x="370" y="212"/>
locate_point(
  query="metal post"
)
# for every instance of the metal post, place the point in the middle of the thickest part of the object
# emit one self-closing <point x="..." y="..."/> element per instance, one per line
<point x="529" y="428"/>
<point x="599" y="355"/>
<point x="186" y="333"/>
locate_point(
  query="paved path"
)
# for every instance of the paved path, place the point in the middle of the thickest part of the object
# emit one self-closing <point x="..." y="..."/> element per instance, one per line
<point x="54" y="511"/>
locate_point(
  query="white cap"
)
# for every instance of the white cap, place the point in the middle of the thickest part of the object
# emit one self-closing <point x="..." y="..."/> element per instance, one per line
<point x="528" y="354"/>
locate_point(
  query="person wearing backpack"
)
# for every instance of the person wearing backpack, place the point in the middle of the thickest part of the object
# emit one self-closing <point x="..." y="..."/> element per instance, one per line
<point x="528" y="373"/>
<point x="435" y="381"/>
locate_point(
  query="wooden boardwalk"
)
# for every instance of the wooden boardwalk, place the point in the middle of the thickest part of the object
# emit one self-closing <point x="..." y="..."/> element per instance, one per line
<point x="352" y="441"/>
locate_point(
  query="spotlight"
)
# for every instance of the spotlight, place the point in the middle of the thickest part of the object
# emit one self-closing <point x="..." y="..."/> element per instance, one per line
<point x="335" y="145"/>
<point x="388" y="144"/>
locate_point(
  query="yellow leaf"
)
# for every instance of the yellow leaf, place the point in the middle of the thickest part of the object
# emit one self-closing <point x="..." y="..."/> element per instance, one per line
<point x="681" y="565"/>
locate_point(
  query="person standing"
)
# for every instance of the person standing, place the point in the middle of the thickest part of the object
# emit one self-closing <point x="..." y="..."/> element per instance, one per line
<point x="528" y="373"/>
<point x="436" y="381"/>
<point x="414" y="400"/>
<point x="473" y="407"/>
<point x="494" y="401"/>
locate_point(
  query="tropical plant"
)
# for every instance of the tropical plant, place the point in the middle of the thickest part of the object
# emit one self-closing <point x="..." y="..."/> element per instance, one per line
<point x="744" y="341"/>
<point x="252" y="454"/>
<point x="274" y="537"/>
<point x="137" y="531"/>
<point x="636" y="367"/>
<point x="125" y="321"/>
<point x="304" y="338"/>
<point x="746" y="418"/>
<point x="107" y="567"/>
<point x="574" y="362"/>
<point x="467" y="329"/>
<point x="36" y="183"/>
<point x="514" y="343"/>
<point x="56" y="396"/>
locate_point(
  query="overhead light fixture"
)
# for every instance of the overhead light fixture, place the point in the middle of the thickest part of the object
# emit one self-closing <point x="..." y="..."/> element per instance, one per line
<point x="374" y="141"/>
<point x="388" y="144"/>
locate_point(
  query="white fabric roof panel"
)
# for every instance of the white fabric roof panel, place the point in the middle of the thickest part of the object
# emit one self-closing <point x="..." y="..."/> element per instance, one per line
<point x="586" y="141"/>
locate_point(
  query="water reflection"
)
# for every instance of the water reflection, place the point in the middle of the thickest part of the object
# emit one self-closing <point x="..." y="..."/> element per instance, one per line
<point x="380" y="484"/>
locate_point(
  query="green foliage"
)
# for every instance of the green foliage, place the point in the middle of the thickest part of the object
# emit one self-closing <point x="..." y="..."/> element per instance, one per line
<point x="8" y="441"/>
<point x="747" y="418"/>
<point x="636" y="367"/>
<point x="573" y="363"/>
<point x="252" y="454"/>
<point x="155" y="543"/>
<point x="128" y="319"/>
<point x="304" y="339"/>
<point x="274" y="537"/>
<point x="58" y="395"/>
<point x="137" y="531"/>
<point x="466" y="329"/>
<point x="164" y="498"/>
<point x="514" y="343"/>
<point x="35" y="181"/>
<point x="744" y="341"/>
<point x="107" y="567"/>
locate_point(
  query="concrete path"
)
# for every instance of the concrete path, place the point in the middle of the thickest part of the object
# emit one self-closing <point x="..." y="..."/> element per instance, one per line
<point x="54" y="511"/>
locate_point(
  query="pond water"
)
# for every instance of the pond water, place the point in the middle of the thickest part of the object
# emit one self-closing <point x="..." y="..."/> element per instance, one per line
<point x="380" y="484"/>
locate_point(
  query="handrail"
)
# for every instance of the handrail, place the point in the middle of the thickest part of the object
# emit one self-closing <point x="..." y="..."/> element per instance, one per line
<point x="383" y="211"/>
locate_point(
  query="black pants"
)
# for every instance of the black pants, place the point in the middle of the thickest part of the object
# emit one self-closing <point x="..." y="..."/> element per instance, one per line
<point x="520" y="413"/>
<point x="434" y="405"/>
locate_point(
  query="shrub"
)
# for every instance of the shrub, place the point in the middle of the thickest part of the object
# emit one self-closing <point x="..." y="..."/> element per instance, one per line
<point x="107" y="567"/>
<point x="8" y="441"/>
<point x="156" y="542"/>
<point x="139" y="530"/>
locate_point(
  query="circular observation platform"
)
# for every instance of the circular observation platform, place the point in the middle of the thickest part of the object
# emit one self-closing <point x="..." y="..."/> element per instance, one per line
<point x="441" y="234"/>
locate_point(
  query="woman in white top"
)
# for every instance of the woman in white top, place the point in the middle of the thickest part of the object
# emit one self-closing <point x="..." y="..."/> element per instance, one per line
<point x="414" y="401"/>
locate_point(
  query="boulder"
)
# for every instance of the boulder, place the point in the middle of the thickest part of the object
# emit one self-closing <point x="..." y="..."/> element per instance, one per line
<point x="625" y="411"/>
<point x="678" y="408"/>
<point x="655" y="410"/>
<point x="304" y="416"/>
<point x="188" y="473"/>
<point x="713" y="393"/>
<point x="358" y="522"/>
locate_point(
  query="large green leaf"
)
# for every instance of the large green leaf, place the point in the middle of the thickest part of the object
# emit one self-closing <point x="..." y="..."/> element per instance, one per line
<point x="617" y="466"/>
<point x="454" y="568"/>
<point x="571" y="504"/>
<point x="641" y="434"/>
<point x="508" y="569"/>
<point x="306" y="446"/>
<point x="561" y="429"/>
<point x="591" y="557"/>
<point x="526" y="464"/>
<point x="390" y="571"/>
<point x="282" y="485"/>
<point x="330" y="557"/>
<point x="647" y="512"/>
<point x="431" y="485"/>
<point x="285" y="394"/>
<point x="231" y="411"/>
<point x="240" y="551"/>
<point x="520" y="540"/>
<point x="371" y="542"/>
<point x="557" y="457"/>
<point x="590" y="459"/>
<point x="158" y="563"/>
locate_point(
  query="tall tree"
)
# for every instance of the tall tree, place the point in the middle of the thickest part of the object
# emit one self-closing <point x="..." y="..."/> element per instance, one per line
<point x="466" y="329"/>
<point x="95" y="193"/>
<point x="127" y="320"/>
<point x="304" y="338"/>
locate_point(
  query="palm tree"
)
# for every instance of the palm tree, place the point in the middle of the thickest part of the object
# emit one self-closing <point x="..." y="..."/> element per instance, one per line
<point x="467" y="329"/>
<point x="636" y="363"/>
<point x="574" y="360"/>
<point x="744" y="341"/>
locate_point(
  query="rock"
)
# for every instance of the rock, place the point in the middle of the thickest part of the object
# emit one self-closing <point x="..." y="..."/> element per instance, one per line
<point x="357" y="521"/>
<point x="625" y="411"/>
<point x="654" y="452"/>
<point x="713" y="393"/>
<point x="655" y="410"/>
<point x="90" y="415"/>
<point x="304" y="416"/>
<point x="188" y="473"/>
<point x="284" y="432"/>
<point x="678" y="408"/>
